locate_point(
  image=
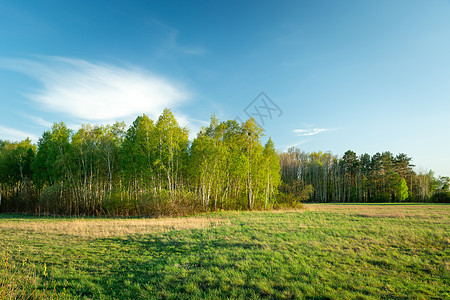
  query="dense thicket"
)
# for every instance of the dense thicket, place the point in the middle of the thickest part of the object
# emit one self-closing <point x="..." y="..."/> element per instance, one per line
<point x="150" y="168"/>
<point x="324" y="177"/>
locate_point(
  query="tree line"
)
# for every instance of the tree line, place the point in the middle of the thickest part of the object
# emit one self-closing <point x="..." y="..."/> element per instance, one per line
<point x="150" y="168"/>
<point x="382" y="177"/>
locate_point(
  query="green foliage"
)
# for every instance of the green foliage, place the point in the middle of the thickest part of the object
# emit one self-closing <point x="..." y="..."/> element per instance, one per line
<point x="52" y="159"/>
<point x="57" y="199"/>
<point x="148" y="169"/>
<point x="272" y="172"/>
<point x="230" y="169"/>
<point x="16" y="187"/>
<point x="402" y="190"/>
<point x="118" y="204"/>
<point x="382" y="177"/>
<point x="151" y="168"/>
<point x="441" y="197"/>
<point x="171" y="149"/>
<point x="295" y="191"/>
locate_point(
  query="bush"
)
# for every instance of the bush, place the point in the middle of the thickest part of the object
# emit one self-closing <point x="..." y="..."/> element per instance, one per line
<point x="180" y="203"/>
<point x="57" y="199"/>
<point x="381" y="198"/>
<point x="284" y="200"/>
<point x="441" y="197"/>
<point x="118" y="204"/>
<point x="23" y="198"/>
<point x="152" y="204"/>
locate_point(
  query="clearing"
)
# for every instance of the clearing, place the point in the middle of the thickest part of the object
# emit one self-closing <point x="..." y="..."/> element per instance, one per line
<point x="325" y="250"/>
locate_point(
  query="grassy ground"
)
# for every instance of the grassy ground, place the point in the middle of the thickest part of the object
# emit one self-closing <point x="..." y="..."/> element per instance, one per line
<point x="324" y="251"/>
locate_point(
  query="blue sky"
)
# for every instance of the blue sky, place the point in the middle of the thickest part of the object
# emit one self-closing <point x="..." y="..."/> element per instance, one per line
<point x="369" y="76"/>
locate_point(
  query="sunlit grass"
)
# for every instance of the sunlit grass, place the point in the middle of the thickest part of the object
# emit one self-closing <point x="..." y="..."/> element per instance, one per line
<point x="104" y="228"/>
<point x="335" y="251"/>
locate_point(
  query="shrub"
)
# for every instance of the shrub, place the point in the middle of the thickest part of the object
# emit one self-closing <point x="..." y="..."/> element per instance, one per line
<point x="441" y="197"/>
<point x="179" y="203"/>
<point x="285" y="200"/>
<point x="57" y="199"/>
<point x="118" y="204"/>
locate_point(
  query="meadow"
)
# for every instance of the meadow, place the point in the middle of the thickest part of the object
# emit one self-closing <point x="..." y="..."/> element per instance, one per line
<point x="336" y="251"/>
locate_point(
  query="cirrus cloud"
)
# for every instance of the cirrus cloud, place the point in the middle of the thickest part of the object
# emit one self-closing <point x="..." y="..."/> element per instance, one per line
<point x="12" y="134"/>
<point x="311" y="131"/>
<point x="97" y="92"/>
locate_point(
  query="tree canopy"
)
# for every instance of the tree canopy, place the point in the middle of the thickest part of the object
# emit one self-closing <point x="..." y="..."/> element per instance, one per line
<point x="148" y="168"/>
<point x="151" y="168"/>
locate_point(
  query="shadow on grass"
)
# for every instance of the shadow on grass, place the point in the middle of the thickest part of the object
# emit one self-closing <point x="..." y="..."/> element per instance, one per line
<point x="193" y="267"/>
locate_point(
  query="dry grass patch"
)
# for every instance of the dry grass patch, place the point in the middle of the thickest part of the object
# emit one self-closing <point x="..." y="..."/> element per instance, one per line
<point x="384" y="211"/>
<point x="104" y="228"/>
<point x="290" y="210"/>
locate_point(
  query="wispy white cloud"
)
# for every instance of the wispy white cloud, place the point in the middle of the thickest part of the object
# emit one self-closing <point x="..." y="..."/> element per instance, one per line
<point x="311" y="131"/>
<point x="39" y="121"/>
<point x="12" y="134"/>
<point x="285" y="148"/>
<point x="97" y="92"/>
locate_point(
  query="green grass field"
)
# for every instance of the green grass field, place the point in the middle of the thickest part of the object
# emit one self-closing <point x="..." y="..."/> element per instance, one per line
<point x="323" y="251"/>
